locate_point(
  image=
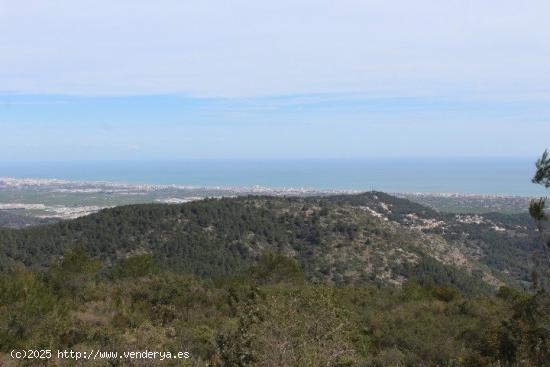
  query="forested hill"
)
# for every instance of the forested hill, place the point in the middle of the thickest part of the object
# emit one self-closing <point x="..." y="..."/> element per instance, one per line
<point x="371" y="237"/>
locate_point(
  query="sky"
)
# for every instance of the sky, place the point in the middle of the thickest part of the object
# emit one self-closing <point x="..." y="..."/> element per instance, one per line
<point x="116" y="80"/>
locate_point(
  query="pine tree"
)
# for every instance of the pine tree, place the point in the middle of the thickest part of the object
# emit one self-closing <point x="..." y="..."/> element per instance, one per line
<point x="537" y="206"/>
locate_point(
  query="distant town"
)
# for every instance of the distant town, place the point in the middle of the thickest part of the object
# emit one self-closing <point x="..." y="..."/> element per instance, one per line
<point x="63" y="199"/>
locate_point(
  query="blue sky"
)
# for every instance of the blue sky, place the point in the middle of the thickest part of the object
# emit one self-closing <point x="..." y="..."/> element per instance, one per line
<point x="279" y="79"/>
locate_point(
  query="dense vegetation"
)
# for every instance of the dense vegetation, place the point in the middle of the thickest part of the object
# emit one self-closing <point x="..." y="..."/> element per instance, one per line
<point x="270" y="317"/>
<point x="263" y="281"/>
<point x="335" y="239"/>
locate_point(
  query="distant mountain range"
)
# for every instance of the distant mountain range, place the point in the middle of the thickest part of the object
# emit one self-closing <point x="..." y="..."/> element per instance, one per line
<point x="341" y="239"/>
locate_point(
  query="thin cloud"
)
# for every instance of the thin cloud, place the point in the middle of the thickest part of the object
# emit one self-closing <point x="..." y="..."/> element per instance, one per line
<point x="253" y="48"/>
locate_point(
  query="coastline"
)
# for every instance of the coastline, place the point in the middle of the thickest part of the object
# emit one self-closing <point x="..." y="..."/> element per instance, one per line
<point x="88" y="186"/>
<point x="68" y="199"/>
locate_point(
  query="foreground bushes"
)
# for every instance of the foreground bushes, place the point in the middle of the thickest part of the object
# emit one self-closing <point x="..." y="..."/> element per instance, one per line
<point x="269" y="318"/>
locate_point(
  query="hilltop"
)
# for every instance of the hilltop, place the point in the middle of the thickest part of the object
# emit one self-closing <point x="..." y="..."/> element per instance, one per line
<point x="341" y="239"/>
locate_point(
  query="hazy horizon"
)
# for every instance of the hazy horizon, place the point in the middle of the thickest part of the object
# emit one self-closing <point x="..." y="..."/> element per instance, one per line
<point x="467" y="175"/>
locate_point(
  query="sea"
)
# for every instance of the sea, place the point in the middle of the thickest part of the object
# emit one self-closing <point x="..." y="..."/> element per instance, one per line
<point x="486" y="176"/>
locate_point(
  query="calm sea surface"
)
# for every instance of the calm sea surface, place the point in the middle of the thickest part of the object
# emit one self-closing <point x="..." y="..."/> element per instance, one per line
<point x="510" y="176"/>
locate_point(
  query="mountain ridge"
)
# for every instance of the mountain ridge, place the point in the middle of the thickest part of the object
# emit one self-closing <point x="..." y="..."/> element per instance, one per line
<point x="339" y="239"/>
